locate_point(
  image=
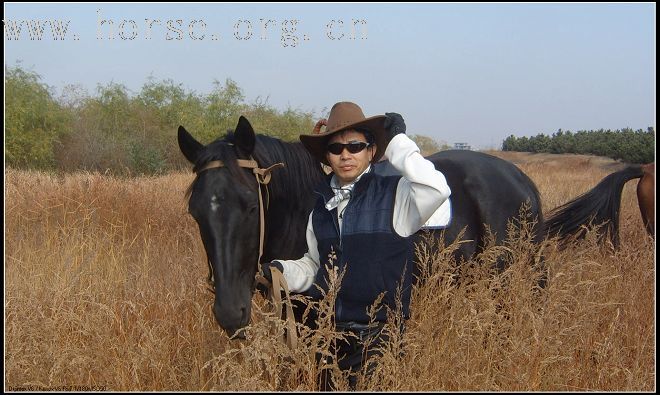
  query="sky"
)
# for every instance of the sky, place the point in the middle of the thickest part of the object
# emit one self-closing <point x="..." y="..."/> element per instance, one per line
<point x="473" y="73"/>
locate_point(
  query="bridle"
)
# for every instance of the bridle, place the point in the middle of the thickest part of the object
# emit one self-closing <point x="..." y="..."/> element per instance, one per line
<point x="263" y="176"/>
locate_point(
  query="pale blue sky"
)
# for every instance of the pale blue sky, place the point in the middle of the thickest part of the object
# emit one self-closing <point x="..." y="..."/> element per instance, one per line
<point x="472" y="73"/>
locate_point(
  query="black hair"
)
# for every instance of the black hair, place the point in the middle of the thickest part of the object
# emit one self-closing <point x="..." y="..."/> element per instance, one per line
<point x="367" y="135"/>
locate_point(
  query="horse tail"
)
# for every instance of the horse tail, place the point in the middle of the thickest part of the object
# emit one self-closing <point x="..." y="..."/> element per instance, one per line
<point x="599" y="207"/>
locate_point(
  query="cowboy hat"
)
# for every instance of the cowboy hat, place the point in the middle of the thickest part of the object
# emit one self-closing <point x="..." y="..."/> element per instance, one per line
<point x="343" y="116"/>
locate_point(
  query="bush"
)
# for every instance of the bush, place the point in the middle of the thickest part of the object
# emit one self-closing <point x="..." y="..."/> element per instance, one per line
<point x="120" y="132"/>
<point x="34" y="121"/>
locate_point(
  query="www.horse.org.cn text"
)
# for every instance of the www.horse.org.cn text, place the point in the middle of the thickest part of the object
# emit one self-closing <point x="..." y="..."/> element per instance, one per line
<point x="288" y="31"/>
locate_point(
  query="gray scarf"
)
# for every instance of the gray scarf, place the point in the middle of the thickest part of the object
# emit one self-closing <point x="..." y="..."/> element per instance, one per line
<point x="342" y="193"/>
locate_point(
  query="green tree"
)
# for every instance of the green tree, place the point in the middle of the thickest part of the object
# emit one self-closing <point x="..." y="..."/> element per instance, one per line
<point x="222" y="107"/>
<point x="34" y="121"/>
<point x="626" y="144"/>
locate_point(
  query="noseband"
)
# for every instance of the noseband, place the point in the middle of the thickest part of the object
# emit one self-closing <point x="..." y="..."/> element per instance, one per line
<point x="263" y="176"/>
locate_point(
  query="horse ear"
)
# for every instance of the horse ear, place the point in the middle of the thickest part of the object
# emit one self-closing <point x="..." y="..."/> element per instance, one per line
<point x="244" y="137"/>
<point x="188" y="145"/>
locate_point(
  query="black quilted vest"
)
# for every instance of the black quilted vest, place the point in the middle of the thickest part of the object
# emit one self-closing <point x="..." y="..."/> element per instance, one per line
<point x="378" y="259"/>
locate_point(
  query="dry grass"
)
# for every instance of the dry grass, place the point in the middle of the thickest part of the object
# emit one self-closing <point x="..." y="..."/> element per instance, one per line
<point x="105" y="286"/>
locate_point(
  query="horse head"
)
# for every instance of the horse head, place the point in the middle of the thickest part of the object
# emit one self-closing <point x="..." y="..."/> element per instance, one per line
<point x="224" y="201"/>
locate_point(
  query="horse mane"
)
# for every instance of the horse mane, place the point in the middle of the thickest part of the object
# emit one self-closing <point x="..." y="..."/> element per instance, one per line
<point x="302" y="172"/>
<point x="300" y="175"/>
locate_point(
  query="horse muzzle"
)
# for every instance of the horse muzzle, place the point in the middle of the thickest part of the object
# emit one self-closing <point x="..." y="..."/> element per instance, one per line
<point x="233" y="320"/>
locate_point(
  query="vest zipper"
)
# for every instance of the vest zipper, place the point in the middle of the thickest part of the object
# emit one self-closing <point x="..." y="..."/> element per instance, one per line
<point x="335" y="222"/>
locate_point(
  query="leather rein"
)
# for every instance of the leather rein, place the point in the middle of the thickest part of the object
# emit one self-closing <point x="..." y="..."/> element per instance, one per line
<point x="263" y="176"/>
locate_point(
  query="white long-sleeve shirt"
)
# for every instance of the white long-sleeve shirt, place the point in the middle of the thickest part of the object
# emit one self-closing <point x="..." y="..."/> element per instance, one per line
<point x="420" y="192"/>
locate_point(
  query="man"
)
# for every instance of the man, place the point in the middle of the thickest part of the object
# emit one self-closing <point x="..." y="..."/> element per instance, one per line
<point x="365" y="220"/>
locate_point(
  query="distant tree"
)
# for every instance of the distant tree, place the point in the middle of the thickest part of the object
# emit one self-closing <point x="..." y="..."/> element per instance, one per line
<point x="34" y="121"/>
<point x="286" y="125"/>
<point x="510" y="143"/>
<point x="626" y="144"/>
<point x="428" y="145"/>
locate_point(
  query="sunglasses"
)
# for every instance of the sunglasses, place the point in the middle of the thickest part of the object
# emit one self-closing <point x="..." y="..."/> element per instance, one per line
<point x="353" y="147"/>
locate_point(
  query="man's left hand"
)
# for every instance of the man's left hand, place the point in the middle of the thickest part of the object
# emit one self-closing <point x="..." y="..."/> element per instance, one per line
<point x="265" y="269"/>
<point x="394" y="124"/>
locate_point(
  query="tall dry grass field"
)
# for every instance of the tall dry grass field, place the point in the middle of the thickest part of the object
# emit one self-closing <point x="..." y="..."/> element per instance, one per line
<point x="105" y="289"/>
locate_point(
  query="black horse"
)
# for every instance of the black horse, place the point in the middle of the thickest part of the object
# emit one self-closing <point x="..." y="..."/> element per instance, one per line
<point x="486" y="193"/>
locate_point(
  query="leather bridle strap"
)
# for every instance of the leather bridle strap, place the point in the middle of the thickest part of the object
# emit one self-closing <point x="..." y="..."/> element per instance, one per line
<point x="263" y="177"/>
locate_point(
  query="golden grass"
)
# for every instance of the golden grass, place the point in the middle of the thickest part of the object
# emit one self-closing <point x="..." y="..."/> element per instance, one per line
<point x="105" y="286"/>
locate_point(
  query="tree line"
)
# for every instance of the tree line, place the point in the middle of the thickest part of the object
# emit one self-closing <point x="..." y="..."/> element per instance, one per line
<point x="627" y="145"/>
<point x="126" y="133"/>
<point x="122" y="132"/>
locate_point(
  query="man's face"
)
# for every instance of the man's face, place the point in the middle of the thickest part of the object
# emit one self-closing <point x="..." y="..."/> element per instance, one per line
<point x="348" y="166"/>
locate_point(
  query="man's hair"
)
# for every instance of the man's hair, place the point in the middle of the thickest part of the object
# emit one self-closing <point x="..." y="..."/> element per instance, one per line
<point x="367" y="135"/>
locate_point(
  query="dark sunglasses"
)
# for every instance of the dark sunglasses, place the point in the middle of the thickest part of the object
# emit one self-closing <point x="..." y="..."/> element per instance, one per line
<point x="353" y="147"/>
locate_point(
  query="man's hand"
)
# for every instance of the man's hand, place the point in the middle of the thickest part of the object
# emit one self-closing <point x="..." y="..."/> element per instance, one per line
<point x="265" y="269"/>
<point x="317" y="127"/>
<point x="394" y="124"/>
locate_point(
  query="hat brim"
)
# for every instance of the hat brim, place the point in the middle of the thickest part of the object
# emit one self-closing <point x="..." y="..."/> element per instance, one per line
<point x="316" y="143"/>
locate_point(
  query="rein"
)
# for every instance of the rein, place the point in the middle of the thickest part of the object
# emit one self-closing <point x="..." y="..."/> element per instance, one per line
<point x="263" y="176"/>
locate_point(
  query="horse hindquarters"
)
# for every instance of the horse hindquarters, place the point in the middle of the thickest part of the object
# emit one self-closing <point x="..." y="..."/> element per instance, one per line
<point x="487" y="193"/>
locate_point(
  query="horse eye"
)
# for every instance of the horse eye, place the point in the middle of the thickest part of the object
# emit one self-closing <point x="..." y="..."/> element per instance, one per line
<point x="252" y="209"/>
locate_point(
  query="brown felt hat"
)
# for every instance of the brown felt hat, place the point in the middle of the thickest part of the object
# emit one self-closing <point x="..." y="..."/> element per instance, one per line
<point x="343" y="116"/>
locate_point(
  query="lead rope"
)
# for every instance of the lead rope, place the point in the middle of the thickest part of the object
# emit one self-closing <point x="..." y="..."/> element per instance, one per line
<point x="274" y="295"/>
<point x="279" y="284"/>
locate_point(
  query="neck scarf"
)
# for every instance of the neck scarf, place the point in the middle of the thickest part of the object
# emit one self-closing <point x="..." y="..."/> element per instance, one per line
<point x="342" y="193"/>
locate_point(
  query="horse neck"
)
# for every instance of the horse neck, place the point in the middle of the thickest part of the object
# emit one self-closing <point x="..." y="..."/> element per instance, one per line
<point x="291" y="198"/>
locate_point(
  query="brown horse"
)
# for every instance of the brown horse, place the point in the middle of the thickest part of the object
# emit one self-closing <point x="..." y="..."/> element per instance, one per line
<point x="646" y="197"/>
